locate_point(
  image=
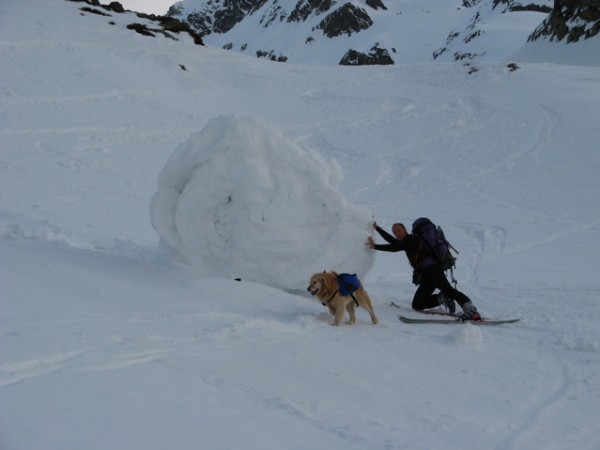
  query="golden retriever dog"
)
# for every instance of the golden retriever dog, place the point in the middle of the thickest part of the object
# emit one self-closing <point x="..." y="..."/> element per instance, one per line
<point x="326" y="287"/>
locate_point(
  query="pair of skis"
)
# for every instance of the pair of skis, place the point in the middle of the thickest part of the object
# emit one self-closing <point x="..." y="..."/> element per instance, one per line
<point x="449" y="318"/>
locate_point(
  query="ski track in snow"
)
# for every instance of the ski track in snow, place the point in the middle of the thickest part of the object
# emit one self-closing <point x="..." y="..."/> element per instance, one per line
<point x="127" y="360"/>
<point x="18" y="371"/>
<point x="562" y="384"/>
<point x="574" y="228"/>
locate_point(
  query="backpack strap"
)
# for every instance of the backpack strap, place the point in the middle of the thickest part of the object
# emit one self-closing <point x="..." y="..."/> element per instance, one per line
<point x="414" y="261"/>
<point x="423" y="252"/>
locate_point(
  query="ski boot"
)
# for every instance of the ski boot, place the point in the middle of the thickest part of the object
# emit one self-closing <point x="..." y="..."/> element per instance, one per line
<point x="469" y="312"/>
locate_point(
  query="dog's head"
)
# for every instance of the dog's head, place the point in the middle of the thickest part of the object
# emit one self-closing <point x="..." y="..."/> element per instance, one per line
<point x="316" y="281"/>
<point x="321" y="284"/>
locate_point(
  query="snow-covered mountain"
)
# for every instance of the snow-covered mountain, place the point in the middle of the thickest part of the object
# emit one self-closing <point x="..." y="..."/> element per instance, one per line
<point x="382" y="31"/>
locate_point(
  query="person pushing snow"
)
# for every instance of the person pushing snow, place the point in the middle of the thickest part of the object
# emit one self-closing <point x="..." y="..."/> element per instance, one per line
<point x="428" y="272"/>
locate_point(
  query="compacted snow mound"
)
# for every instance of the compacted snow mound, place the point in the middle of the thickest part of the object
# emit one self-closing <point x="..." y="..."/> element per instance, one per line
<point x="240" y="200"/>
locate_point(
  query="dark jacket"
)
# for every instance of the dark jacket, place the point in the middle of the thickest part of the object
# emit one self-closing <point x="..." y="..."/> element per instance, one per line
<point x="412" y="245"/>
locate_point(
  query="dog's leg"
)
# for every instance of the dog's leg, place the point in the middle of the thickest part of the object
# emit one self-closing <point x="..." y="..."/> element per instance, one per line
<point x="366" y="303"/>
<point x="372" y="314"/>
<point x="339" y="314"/>
<point x="331" y="310"/>
<point x="350" y="309"/>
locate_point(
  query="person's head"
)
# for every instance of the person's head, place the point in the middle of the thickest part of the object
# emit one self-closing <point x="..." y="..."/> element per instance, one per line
<point x="399" y="231"/>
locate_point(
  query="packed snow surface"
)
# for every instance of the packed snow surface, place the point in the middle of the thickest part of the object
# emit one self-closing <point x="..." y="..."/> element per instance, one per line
<point x="107" y="341"/>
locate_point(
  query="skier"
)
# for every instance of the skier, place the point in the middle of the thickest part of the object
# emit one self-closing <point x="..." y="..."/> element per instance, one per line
<point x="428" y="274"/>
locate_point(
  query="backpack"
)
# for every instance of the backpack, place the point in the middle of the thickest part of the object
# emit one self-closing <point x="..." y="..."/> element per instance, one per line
<point x="439" y="249"/>
<point x="348" y="283"/>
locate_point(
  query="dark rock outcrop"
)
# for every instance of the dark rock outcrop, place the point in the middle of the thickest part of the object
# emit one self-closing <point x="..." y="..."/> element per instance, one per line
<point x="376" y="4"/>
<point x="220" y="16"/>
<point x="347" y="19"/>
<point x="377" y="56"/>
<point x="164" y="25"/>
<point x="519" y="5"/>
<point x="570" y="19"/>
<point x="306" y="8"/>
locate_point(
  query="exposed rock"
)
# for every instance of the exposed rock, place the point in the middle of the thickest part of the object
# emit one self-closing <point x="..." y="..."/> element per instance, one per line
<point x="271" y="55"/>
<point x="200" y="21"/>
<point x="518" y="5"/>
<point x="376" y="4"/>
<point x="94" y="11"/>
<point x="236" y="10"/>
<point x="461" y="56"/>
<point x="115" y="6"/>
<point x="89" y="2"/>
<point x="165" y="25"/>
<point x="377" y="56"/>
<point x="573" y="19"/>
<point x="347" y="19"/>
<point x="219" y="16"/>
<point x="471" y="69"/>
<point x="306" y="8"/>
<point x="470" y="3"/>
<point x="141" y="29"/>
<point x="471" y="32"/>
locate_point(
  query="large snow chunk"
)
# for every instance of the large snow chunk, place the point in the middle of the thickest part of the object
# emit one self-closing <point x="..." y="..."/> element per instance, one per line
<point x="240" y="200"/>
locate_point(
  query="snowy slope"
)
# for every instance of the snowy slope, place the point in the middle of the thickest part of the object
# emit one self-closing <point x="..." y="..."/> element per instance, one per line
<point x="107" y="343"/>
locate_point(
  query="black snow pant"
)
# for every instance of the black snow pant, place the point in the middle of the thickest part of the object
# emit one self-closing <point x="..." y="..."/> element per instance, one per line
<point x="433" y="278"/>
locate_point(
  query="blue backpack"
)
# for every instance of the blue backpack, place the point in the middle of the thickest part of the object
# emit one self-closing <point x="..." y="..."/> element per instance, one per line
<point x="349" y="283"/>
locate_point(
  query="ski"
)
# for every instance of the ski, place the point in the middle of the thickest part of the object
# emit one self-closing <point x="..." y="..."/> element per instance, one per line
<point x="432" y="312"/>
<point x="455" y="320"/>
<point x="451" y="318"/>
